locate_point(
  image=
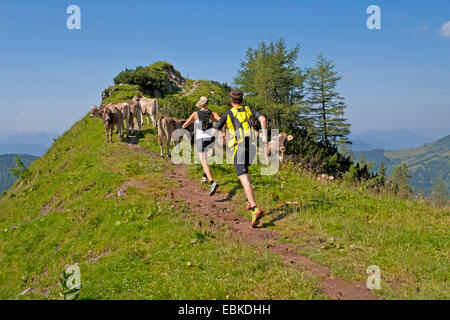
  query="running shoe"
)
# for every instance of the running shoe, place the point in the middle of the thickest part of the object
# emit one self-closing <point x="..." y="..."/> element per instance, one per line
<point x="213" y="189"/>
<point x="204" y="179"/>
<point x="257" y="214"/>
<point x="249" y="206"/>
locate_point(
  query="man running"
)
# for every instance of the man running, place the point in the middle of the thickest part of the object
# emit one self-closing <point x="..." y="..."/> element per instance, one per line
<point x="240" y="121"/>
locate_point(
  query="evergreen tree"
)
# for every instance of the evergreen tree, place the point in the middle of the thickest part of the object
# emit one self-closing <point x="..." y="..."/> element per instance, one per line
<point x="327" y="106"/>
<point x="439" y="193"/>
<point x="273" y="82"/>
<point x="382" y="172"/>
<point x="400" y="179"/>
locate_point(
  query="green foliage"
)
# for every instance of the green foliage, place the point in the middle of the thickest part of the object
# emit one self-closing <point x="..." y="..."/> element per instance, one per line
<point x="182" y="105"/>
<point x="273" y="83"/>
<point x="178" y="107"/>
<point x="382" y="172"/>
<point x="21" y="171"/>
<point x="400" y="179"/>
<point x="327" y="106"/>
<point x="7" y="161"/>
<point x="439" y="195"/>
<point x="217" y="93"/>
<point x="121" y="93"/>
<point x="317" y="156"/>
<point x="151" y="79"/>
<point x="68" y="293"/>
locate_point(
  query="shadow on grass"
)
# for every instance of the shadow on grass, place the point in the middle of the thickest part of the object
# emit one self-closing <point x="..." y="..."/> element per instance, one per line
<point x="288" y="210"/>
<point x="231" y="193"/>
<point x="135" y="137"/>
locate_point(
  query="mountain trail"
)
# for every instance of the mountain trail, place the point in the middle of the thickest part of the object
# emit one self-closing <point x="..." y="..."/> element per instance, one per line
<point x="220" y="208"/>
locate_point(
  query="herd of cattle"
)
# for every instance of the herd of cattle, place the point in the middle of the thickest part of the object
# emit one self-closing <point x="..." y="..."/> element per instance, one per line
<point x="115" y="114"/>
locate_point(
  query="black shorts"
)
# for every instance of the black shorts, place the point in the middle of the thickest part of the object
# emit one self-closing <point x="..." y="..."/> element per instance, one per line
<point x="244" y="157"/>
<point x="202" y="144"/>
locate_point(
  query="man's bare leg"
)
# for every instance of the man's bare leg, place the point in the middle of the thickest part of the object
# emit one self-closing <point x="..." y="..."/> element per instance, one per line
<point x="248" y="190"/>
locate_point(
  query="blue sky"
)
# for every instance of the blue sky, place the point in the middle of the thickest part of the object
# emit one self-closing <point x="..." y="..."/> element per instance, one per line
<point x="393" y="78"/>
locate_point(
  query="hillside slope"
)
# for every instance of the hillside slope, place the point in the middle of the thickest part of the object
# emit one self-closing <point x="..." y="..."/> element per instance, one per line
<point x="426" y="163"/>
<point x="7" y="161"/>
<point x="119" y="213"/>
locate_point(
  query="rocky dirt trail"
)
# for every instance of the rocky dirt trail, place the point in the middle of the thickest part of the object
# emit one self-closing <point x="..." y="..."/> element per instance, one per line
<point x="220" y="208"/>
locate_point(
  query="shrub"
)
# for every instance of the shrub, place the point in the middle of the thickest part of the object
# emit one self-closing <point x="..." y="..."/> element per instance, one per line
<point x="21" y="171"/>
<point x="150" y="79"/>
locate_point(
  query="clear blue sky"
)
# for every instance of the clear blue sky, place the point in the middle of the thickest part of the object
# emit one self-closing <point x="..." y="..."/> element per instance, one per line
<point x="397" y="77"/>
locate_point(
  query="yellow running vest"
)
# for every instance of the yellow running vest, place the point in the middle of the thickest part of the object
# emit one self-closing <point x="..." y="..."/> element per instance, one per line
<point x="240" y="125"/>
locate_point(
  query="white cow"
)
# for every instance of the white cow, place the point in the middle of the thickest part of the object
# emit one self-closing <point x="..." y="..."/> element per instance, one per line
<point x="149" y="107"/>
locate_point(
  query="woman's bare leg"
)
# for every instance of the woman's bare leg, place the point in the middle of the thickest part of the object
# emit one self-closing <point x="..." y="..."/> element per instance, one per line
<point x="205" y="166"/>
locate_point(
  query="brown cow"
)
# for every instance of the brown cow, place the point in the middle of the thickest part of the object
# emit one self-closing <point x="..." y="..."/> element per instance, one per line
<point x="124" y="109"/>
<point x="135" y="113"/>
<point x="111" y="117"/>
<point x="166" y="127"/>
<point x="283" y="138"/>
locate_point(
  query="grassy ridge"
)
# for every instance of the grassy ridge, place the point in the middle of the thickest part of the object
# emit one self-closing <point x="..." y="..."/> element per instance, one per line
<point x="139" y="245"/>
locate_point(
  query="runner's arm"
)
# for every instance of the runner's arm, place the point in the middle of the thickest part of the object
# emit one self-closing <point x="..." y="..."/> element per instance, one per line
<point x="214" y="116"/>
<point x="262" y="119"/>
<point x="189" y="121"/>
<point x="220" y="124"/>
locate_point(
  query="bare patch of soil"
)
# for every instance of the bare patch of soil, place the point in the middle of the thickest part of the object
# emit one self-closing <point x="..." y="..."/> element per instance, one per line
<point x="140" y="184"/>
<point x="48" y="206"/>
<point x="94" y="257"/>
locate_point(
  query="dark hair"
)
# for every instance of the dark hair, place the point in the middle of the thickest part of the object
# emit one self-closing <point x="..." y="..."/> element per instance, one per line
<point x="237" y="96"/>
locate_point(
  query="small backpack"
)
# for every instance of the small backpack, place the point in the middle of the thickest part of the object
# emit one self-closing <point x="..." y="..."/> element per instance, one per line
<point x="240" y="125"/>
<point x="203" y="117"/>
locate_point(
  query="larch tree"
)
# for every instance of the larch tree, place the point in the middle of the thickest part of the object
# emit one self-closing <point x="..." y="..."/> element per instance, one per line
<point x="326" y="105"/>
<point x="273" y="82"/>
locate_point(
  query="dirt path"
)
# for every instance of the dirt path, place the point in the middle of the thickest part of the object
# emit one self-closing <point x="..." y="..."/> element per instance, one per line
<point x="220" y="209"/>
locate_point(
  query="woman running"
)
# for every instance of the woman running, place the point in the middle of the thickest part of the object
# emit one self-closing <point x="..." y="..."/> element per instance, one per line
<point x="203" y="137"/>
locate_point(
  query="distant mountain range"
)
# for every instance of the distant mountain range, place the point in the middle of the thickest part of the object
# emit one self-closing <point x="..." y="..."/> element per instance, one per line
<point x="426" y="163"/>
<point x="7" y="161"/>
<point x="390" y="140"/>
<point x="22" y="142"/>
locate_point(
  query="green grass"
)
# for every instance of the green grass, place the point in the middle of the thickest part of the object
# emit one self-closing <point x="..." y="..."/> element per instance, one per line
<point x="142" y="245"/>
<point x="349" y="228"/>
<point x="124" y="92"/>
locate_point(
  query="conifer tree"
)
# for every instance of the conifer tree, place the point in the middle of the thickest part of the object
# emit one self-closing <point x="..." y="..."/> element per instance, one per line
<point x="400" y="179"/>
<point x="273" y="82"/>
<point x="439" y="193"/>
<point x="327" y="106"/>
<point x="382" y="172"/>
